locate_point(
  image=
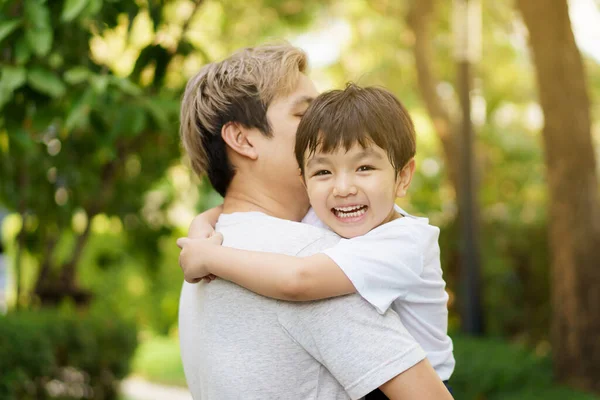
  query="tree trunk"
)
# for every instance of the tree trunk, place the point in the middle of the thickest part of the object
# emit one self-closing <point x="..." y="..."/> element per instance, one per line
<point x="419" y="21"/>
<point x="574" y="211"/>
<point x="50" y="288"/>
<point x="23" y="183"/>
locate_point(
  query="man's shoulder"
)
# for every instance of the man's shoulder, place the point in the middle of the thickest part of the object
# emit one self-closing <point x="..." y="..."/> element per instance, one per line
<point x="258" y="231"/>
<point x="407" y="229"/>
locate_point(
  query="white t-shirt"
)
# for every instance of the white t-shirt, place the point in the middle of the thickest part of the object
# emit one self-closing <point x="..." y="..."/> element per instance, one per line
<point x="236" y="344"/>
<point x="398" y="264"/>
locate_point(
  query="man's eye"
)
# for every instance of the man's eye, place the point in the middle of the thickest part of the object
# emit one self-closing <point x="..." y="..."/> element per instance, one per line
<point x="365" y="168"/>
<point x="322" y="172"/>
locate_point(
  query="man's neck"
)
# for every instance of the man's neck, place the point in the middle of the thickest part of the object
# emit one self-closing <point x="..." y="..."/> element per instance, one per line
<point x="247" y="195"/>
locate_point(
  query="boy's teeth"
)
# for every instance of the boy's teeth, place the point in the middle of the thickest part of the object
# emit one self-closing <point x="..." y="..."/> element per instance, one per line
<point x="350" y="212"/>
<point x="348" y="209"/>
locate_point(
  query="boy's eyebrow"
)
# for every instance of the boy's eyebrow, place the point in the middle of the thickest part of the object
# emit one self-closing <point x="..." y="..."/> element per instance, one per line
<point x="316" y="160"/>
<point x="366" y="153"/>
<point x="363" y="154"/>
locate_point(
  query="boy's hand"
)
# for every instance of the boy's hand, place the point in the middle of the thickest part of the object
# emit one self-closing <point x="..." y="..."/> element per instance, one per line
<point x="194" y="255"/>
<point x="203" y="225"/>
<point x="200" y="228"/>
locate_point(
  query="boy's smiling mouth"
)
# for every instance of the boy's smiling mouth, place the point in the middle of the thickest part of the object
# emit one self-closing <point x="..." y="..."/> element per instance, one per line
<point x="350" y="213"/>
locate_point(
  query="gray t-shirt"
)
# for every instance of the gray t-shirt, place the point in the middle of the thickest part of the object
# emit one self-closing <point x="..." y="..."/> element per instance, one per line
<point x="236" y="344"/>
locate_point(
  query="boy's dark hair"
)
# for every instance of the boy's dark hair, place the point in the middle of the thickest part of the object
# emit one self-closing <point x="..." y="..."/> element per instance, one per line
<point x="357" y="115"/>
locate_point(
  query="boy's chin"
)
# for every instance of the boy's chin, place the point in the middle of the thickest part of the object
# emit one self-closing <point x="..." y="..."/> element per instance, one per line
<point x="351" y="232"/>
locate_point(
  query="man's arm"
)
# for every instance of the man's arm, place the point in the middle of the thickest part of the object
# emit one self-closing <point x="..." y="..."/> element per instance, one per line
<point x="273" y="275"/>
<point x="362" y="349"/>
<point x="418" y="382"/>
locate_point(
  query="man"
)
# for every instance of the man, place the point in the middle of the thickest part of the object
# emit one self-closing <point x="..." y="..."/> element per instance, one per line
<point x="238" y="125"/>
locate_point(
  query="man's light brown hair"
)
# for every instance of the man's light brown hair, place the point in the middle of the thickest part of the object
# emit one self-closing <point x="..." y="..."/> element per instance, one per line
<point x="356" y="115"/>
<point x="237" y="89"/>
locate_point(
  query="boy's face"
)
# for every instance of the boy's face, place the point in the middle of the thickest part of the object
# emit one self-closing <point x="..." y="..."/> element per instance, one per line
<point x="354" y="191"/>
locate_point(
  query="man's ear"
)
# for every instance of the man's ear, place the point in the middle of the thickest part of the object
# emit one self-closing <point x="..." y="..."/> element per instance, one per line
<point x="239" y="139"/>
<point x="405" y="177"/>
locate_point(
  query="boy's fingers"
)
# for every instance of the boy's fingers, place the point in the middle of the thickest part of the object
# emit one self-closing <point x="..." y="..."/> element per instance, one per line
<point x="181" y="242"/>
<point x="216" y="238"/>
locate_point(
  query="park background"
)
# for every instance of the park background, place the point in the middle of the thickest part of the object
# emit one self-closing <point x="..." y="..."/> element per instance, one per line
<point x="95" y="189"/>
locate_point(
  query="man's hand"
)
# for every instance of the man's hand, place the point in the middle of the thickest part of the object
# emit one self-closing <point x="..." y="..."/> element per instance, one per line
<point x="194" y="256"/>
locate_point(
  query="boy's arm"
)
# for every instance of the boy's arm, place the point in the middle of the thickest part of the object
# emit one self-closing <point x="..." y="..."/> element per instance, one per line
<point x="273" y="275"/>
<point x="203" y="225"/>
<point x="387" y="264"/>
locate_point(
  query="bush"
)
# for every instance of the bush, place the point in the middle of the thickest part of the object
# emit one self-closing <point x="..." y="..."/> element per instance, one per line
<point x="492" y="369"/>
<point x="51" y="353"/>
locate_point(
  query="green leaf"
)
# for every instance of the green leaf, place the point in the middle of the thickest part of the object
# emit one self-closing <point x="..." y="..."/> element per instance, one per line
<point x="37" y="13"/>
<point x="13" y="77"/>
<point x="39" y="34"/>
<point x="77" y="75"/>
<point x="5" y="97"/>
<point x="46" y="82"/>
<point x="19" y="136"/>
<point x="127" y="86"/>
<point x="99" y="83"/>
<point x="132" y="121"/>
<point x="22" y="51"/>
<point x="93" y="8"/>
<point x="8" y="27"/>
<point x="72" y="9"/>
<point x="40" y="41"/>
<point x="138" y="122"/>
<point x="158" y="114"/>
<point x="78" y="114"/>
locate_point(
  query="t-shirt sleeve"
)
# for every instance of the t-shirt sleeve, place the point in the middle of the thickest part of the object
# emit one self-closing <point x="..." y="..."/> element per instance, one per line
<point x="386" y="263"/>
<point x="360" y="348"/>
<point x="311" y="218"/>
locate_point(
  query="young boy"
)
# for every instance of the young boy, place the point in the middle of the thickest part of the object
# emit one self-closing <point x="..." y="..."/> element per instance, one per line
<point x="355" y="148"/>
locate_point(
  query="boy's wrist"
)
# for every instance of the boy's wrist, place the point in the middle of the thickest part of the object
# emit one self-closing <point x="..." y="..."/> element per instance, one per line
<point x="209" y="258"/>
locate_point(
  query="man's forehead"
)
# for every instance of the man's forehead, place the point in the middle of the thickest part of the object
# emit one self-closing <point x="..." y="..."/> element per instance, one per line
<point x="292" y="101"/>
<point x="301" y="100"/>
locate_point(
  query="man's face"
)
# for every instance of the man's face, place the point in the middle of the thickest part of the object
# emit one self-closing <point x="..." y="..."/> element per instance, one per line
<point x="278" y="162"/>
<point x="352" y="191"/>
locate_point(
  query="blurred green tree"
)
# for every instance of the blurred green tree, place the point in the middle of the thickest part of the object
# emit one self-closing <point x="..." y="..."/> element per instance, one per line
<point x="574" y="212"/>
<point x="78" y="139"/>
<point x="89" y="100"/>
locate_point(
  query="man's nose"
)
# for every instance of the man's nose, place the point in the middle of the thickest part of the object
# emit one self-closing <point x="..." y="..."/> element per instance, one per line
<point x="344" y="186"/>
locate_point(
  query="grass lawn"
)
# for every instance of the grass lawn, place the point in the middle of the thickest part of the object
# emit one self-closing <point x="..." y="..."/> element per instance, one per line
<point x="157" y="359"/>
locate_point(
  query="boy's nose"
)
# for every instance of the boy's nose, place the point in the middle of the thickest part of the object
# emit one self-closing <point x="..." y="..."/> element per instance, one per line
<point x="343" y="188"/>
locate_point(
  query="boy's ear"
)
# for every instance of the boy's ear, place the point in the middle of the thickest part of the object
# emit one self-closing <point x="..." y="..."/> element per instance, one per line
<point x="301" y="176"/>
<point x="405" y="177"/>
<point x="239" y="139"/>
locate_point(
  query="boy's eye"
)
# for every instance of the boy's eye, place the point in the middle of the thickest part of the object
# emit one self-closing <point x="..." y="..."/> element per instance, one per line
<point x="322" y="172"/>
<point x="365" y="168"/>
